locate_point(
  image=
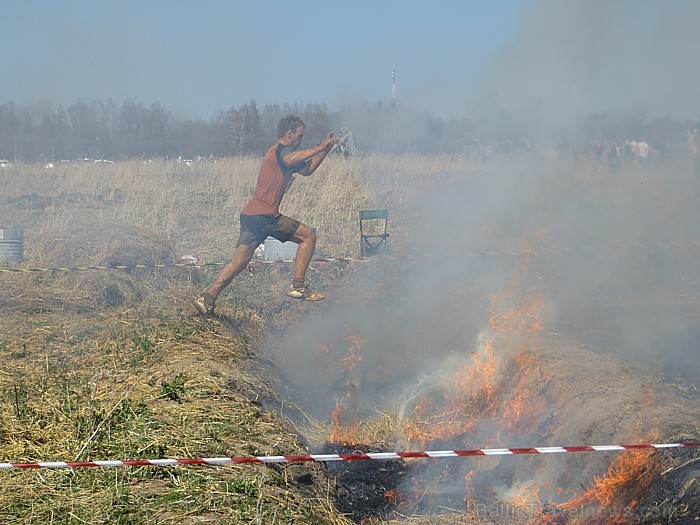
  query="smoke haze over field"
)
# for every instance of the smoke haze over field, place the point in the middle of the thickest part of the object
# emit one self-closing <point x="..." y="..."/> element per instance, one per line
<point x="570" y="58"/>
<point x="611" y="255"/>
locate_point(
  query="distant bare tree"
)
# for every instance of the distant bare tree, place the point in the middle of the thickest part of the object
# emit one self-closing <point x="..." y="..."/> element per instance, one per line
<point x="242" y="129"/>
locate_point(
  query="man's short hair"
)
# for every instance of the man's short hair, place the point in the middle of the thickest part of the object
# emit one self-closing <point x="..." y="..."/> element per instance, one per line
<point x="288" y="122"/>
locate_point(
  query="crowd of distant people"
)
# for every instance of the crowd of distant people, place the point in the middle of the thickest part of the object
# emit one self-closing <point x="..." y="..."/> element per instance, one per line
<point x="612" y="154"/>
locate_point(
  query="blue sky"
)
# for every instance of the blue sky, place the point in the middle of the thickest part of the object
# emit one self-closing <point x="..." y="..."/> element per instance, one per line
<point x="545" y="58"/>
<point x="204" y="55"/>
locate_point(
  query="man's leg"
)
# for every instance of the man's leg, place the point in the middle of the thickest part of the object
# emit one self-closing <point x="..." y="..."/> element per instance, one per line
<point x="306" y="239"/>
<point x="241" y="257"/>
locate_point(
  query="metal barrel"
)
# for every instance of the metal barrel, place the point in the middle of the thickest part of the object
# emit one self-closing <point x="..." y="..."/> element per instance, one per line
<point x="11" y="245"/>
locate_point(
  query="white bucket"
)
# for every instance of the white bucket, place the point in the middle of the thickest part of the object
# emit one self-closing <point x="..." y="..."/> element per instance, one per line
<point x="279" y="251"/>
<point x="11" y="245"/>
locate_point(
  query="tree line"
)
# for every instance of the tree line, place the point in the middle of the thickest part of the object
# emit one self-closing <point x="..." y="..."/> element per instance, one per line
<point x="47" y="132"/>
<point x="101" y="129"/>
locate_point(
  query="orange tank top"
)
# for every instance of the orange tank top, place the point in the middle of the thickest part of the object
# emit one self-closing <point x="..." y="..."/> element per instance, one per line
<point x="274" y="179"/>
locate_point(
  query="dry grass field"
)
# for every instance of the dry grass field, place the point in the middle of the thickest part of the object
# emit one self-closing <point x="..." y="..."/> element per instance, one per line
<point x="100" y="364"/>
<point x="115" y="364"/>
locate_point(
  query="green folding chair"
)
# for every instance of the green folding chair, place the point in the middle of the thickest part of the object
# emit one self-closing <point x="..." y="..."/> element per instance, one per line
<point x="373" y="231"/>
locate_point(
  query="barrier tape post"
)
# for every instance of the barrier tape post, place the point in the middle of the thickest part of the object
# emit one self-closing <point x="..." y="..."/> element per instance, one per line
<point x="344" y="457"/>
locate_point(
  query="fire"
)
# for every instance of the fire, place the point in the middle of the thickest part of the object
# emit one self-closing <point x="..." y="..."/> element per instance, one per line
<point x="610" y="496"/>
<point x="513" y="411"/>
<point x="394" y="498"/>
<point x="479" y="382"/>
<point x="520" y="317"/>
<point x="469" y="491"/>
<point x="345" y="415"/>
<point x="478" y="376"/>
<point x="345" y="426"/>
<point x="354" y="358"/>
<point x="526" y="496"/>
<point x="489" y="386"/>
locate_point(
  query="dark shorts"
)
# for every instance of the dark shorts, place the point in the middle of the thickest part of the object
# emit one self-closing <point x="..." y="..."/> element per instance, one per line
<point x="256" y="228"/>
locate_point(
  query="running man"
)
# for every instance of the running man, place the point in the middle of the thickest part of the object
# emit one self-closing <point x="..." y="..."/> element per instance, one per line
<point x="261" y="217"/>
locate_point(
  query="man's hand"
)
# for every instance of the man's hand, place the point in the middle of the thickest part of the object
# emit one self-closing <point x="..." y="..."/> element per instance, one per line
<point x="330" y="141"/>
<point x="318" y="153"/>
<point x="312" y="156"/>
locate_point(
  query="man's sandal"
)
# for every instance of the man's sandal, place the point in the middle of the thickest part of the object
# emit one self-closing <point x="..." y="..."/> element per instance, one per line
<point x="202" y="307"/>
<point x="305" y="294"/>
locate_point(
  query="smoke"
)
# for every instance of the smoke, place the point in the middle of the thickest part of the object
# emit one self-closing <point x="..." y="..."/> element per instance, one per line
<point x="611" y="249"/>
<point x="611" y="253"/>
<point x="612" y="256"/>
<point x="572" y="58"/>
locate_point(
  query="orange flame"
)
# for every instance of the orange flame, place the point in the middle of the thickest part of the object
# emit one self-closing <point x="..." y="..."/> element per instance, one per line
<point x="394" y="498"/>
<point x="343" y="434"/>
<point x="477" y="381"/>
<point x="627" y="478"/>
<point x="477" y="377"/>
<point x="345" y="415"/>
<point x="354" y="358"/>
<point x="468" y="499"/>
<point x="527" y="496"/>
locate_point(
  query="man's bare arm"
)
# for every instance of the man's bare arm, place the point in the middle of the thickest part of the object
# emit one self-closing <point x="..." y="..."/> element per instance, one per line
<point x="297" y="157"/>
<point x="314" y="162"/>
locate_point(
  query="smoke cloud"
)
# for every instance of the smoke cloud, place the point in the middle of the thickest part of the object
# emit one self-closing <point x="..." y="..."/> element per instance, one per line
<point x="570" y="58"/>
<point x="610" y="255"/>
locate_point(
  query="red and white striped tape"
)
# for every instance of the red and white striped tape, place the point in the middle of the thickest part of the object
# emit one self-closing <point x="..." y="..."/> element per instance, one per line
<point x="342" y="457"/>
<point x="315" y="259"/>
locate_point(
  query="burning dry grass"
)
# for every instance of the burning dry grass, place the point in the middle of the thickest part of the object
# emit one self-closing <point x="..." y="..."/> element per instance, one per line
<point x="381" y="431"/>
<point x="520" y="386"/>
<point x="112" y="364"/>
